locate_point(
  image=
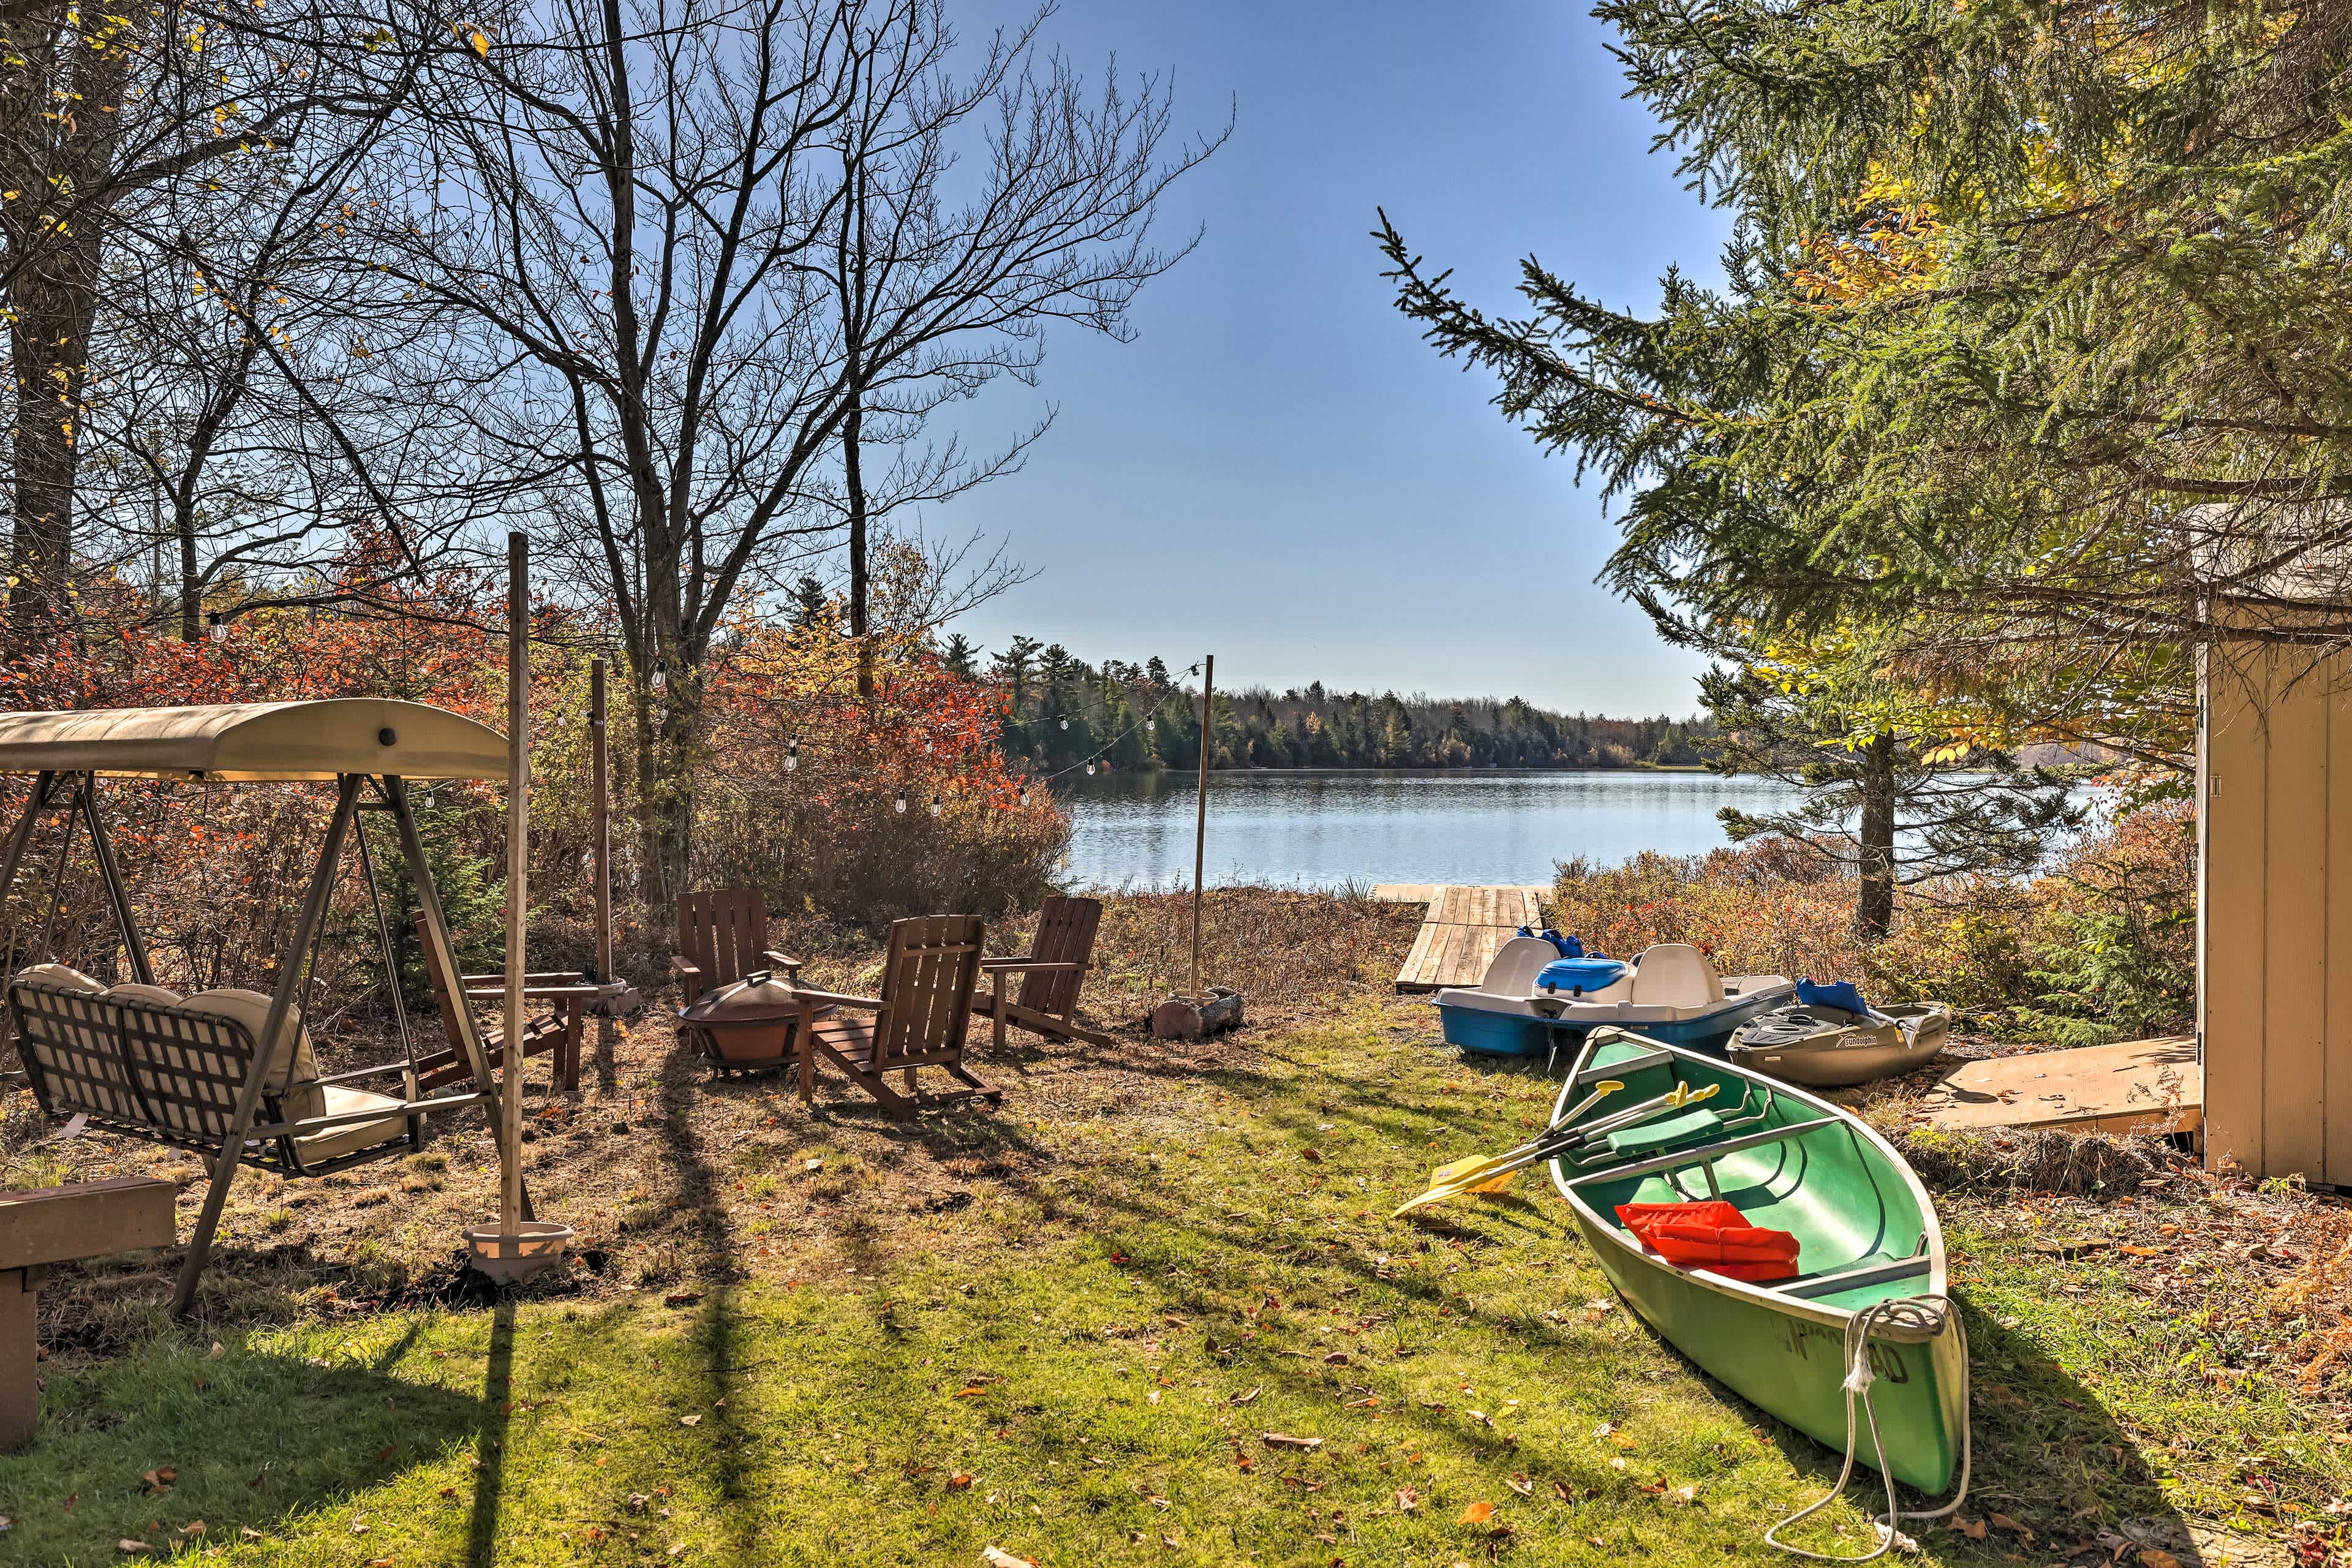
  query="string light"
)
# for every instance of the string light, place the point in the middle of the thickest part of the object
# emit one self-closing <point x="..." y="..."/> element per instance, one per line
<point x="1024" y="795"/>
<point x="791" y="753"/>
<point x="1151" y="725"/>
<point x="935" y="803"/>
<point x="661" y="676"/>
<point x="902" y="803"/>
<point x="220" y="628"/>
<point x="1090" y="769"/>
<point x="926" y="746"/>
<point x="1065" y="723"/>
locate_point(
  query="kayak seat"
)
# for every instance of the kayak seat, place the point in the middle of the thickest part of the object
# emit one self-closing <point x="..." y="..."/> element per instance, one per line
<point x="1651" y="1137"/>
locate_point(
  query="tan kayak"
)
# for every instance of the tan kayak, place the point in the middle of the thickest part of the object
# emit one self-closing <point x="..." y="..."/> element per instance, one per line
<point x="1829" y="1048"/>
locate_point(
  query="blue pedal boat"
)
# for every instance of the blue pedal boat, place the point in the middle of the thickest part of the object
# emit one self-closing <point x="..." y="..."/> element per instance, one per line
<point x="1533" y="1001"/>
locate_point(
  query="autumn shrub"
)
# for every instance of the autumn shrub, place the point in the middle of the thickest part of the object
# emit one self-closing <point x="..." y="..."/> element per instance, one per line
<point x="797" y="790"/>
<point x="2098" y="946"/>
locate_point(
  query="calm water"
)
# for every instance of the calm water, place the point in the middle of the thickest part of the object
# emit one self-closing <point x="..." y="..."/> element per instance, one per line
<point x="1319" y="829"/>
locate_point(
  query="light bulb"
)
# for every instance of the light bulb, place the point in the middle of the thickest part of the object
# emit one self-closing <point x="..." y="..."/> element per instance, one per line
<point x="927" y="748"/>
<point x="661" y="678"/>
<point x="1024" y="795"/>
<point x="1090" y="769"/>
<point x="902" y="803"/>
<point x="791" y="753"/>
<point x="220" y="628"/>
<point x="935" y="804"/>
<point x="1065" y="723"/>
<point x="1150" y="724"/>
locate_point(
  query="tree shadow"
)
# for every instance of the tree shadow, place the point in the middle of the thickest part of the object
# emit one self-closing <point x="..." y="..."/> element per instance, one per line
<point x="143" y="1448"/>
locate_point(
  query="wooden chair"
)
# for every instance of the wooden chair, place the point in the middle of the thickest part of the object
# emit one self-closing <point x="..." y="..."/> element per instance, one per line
<point x="918" y="1021"/>
<point x="558" y="1030"/>
<point x="724" y="936"/>
<point x="1059" y="956"/>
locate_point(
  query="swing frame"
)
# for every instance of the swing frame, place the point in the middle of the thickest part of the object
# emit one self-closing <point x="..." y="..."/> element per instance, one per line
<point x="368" y="746"/>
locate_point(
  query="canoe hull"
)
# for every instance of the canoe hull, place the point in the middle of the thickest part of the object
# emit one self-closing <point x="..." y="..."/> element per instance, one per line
<point x="1789" y="1366"/>
<point x="1868" y="1238"/>
<point x="1845" y="1058"/>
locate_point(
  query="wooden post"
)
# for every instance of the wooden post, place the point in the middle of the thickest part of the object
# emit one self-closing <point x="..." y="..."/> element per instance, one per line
<point x="600" y="784"/>
<point x="518" y="867"/>
<point x="1200" y="814"/>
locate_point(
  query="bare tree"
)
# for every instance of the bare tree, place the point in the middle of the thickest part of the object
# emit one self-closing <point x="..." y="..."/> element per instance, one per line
<point x="652" y="206"/>
<point x="122" y="139"/>
<point x="939" y="296"/>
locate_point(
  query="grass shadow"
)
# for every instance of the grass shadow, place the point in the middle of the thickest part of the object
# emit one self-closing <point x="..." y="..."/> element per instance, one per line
<point x="144" y="1447"/>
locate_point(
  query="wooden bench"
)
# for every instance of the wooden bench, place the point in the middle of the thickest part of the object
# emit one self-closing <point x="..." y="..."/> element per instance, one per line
<point x="50" y="1226"/>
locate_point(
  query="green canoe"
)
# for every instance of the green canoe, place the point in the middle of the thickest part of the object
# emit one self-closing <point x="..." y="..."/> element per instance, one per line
<point x="1791" y="1161"/>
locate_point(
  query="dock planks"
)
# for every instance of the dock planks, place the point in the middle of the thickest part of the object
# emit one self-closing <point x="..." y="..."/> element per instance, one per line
<point x="1465" y="928"/>
<point x="2144" y="1086"/>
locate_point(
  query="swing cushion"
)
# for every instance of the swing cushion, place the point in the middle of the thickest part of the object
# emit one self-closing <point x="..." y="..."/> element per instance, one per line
<point x="1713" y="1236"/>
<point x="351" y="1137"/>
<point x="97" y="1074"/>
<point x="293" y="1070"/>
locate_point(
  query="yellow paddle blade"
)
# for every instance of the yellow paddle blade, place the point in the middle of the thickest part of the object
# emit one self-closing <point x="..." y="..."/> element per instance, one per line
<point x="1446" y="1175"/>
<point x="1463" y="1175"/>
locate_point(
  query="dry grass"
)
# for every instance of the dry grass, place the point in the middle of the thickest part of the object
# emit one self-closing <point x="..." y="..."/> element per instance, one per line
<point x="671" y="1176"/>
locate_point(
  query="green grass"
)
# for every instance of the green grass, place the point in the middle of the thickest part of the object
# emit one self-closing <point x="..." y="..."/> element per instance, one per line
<point x="1101" y="1351"/>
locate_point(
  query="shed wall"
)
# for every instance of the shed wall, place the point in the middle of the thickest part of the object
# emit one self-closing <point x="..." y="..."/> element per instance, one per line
<point x="2274" y="914"/>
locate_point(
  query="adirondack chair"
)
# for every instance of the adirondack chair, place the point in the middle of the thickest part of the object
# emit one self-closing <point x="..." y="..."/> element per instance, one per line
<point x="723" y="936"/>
<point x="1059" y="956"/>
<point x="918" y="1021"/>
<point x="557" y="1030"/>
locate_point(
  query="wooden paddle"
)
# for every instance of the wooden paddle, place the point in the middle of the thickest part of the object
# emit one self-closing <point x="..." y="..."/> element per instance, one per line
<point x="1492" y="1174"/>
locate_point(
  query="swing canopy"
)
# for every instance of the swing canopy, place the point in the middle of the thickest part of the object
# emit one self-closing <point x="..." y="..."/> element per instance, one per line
<point x="322" y="739"/>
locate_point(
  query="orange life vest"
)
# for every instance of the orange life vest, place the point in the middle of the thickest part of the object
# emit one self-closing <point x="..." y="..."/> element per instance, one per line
<point x="1713" y="1236"/>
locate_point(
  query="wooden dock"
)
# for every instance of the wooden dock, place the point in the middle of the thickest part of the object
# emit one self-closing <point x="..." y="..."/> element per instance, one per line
<point x="2139" y="1086"/>
<point x="1465" y="928"/>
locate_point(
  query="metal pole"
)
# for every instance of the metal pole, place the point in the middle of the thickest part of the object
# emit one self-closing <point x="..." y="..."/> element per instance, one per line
<point x="517" y="864"/>
<point x="19" y="841"/>
<point x="274" y="1022"/>
<point x="1200" y="814"/>
<point x="437" y="937"/>
<point x="117" y="895"/>
<point x="600" y="782"/>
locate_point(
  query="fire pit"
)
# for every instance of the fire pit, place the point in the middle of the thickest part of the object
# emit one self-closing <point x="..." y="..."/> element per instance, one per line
<point x="747" y="1026"/>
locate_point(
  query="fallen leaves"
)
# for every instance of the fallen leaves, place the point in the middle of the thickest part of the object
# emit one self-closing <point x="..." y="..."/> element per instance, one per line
<point x="1407" y="1499"/>
<point x="997" y="1557"/>
<point x="1283" y="1440"/>
<point x="690" y="1420"/>
<point x="959" y="1481"/>
<point x="1477" y="1513"/>
<point x="159" y="1480"/>
<point x="1521" y="1485"/>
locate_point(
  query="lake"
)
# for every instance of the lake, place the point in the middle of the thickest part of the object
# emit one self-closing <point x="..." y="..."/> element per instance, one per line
<point x="1306" y="828"/>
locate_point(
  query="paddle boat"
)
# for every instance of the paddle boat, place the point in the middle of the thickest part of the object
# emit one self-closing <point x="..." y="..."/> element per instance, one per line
<point x="1821" y="1247"/>
<point x="1831" y="1038"/>
<point x="1536" y="997"/>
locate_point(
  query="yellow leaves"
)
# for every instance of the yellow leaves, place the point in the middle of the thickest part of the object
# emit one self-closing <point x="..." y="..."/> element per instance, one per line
<point x="473" y="36"/>
<point x="1477" y="1513"/>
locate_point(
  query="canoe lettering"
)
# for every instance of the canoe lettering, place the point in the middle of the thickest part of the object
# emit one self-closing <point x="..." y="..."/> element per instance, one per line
<point x="1886" y="1360"/>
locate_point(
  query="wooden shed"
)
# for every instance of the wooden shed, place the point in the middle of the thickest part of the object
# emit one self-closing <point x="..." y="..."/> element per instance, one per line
<point x="2274" y="911"/>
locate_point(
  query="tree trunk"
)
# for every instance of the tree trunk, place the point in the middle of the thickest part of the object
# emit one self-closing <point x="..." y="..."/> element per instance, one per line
<point x="853" y="477"/>
<point x="56" y="232"/>
<point x="1873" y="911"/>
<point x="192" y="597"/>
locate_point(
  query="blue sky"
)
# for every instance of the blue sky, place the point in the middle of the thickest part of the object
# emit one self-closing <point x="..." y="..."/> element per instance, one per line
<point x="1278" y="469"/>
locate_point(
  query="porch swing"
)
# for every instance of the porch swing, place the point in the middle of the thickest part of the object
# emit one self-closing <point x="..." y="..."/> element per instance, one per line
<point x="188" y="1071"/>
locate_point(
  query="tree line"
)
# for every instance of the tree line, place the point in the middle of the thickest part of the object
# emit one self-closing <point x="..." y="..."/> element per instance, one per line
<point x="301" y="289"/>
<point x="1061" y="714"/>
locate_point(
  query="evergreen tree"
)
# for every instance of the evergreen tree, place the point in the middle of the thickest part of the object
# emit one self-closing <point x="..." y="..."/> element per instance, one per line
<point x="1890" y="803"/>
<point x="961" y="657"/>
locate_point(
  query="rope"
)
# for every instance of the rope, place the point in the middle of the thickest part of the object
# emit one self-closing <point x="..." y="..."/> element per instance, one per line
<point x="1927" y="1314"/>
